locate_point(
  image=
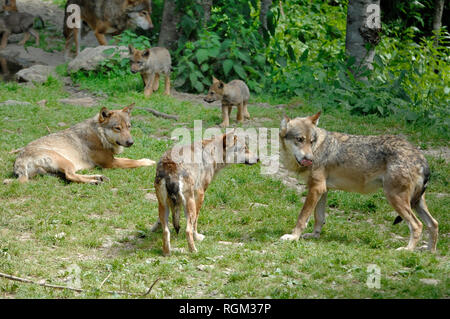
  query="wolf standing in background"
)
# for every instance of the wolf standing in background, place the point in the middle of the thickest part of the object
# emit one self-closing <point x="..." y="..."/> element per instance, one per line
<point x="10" y="5"/>
<point x="151" y="63"/>
<point x="236" y="93"/>
<point x="181" y="184"/>
<point x="107" y="17"/>
<point x="91" y="143"/>
<point x="330" y="160"/>
<point x="13" y="22"/>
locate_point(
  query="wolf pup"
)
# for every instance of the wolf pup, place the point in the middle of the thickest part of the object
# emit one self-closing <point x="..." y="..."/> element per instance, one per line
<point x="10" y="5"/>
<point x="91" y="143"/>
<point x="13" y="22"/>
<point x="182" y="183"/>
<point x="151" y="63"/>
<point x="330" y="160"/>
<point x="236" y="93"/>
<point x="107" y="17"/>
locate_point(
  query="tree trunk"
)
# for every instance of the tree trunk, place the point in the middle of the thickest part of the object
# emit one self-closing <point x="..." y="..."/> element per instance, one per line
<point x="206" y="4"/>
<point x="265" y="6"/>
<point x="169" y="33"/>
<point x="437" y="18"/>
<point x="363" y="31"/>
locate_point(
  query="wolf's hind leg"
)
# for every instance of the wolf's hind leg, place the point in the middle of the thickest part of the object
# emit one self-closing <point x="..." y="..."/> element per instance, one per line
<point x="25" y="38"/>
<point x="35" y="34"/>
<point x="167" y="84"/>
<point x="432" y="225"/>
<point x="319" y="218"/>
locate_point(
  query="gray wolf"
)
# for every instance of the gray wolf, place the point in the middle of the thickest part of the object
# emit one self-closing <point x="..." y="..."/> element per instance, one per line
<point x="331" y="160"/>
<point x="180" y="184"/>
<point x="107" y="17"/>
<point x="13" y="22"/>
<point x="236" y="93"/>
<point x="151" y="63"/>
<point x="93" y="142"/>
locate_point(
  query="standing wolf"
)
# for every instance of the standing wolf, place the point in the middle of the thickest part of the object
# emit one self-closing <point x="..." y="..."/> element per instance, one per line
<point x="13" y="22"/>
<point x="93" y="142"/>
<point x="151" y="63"/>
<point x="183" y="183"/>
<point x="330" y="160"/>
<point x="107" y="17"/>
<point x="236" y="93"/>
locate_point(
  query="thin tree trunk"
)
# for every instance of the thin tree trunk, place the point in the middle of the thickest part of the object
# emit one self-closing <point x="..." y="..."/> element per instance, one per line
<point x="437" y="18"/>
<point x="363" y="30"/>
<point x="169" y="33"/>
<point x="206" y="4"/>
<point x="265" y="6"/>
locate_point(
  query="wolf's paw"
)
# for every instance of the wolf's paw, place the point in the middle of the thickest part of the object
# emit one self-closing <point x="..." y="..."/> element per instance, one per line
<point x="199" y="237"/>
<point x="289" y="237"/>
<point x="97" y="179"/>
<point x="147" y="162"/>
<point x="404" y="248"/>
<point x="311" y="235"/>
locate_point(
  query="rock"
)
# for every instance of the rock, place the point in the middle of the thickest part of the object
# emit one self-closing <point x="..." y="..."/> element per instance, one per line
<point x="14" y="102"/>
<point x="84" y="101"/>
<point x="90" y="58"/>
<point x="429" y="281"/>
<point x="37" y="73"/>
<point x="29" y="56"/>
<point x="151" y="197"/>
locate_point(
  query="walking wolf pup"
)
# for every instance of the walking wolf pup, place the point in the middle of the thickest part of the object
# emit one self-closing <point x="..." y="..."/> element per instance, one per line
<point x="181" y="184"/>
<point x="236" y="93"/>
<point x="91" y="143"/>
<point x="151" y="63"/>
<point x="331" y="160"/>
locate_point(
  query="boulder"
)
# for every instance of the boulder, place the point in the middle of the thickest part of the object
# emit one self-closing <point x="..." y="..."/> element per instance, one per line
<point x="37" y="73"/>
<point x="90" y="58"/>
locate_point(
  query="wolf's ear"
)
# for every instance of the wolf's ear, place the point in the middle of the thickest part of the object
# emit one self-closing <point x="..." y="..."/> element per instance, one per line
<point x="104" y="114"/>
<point x="221" y="85"/>
<point x="131" y="49"/>
<point x="315" y="118"/>
<point x="127" y="109"/>
<point x="283" y="125"/>
<point x="146" y="53"/>
<point x="215" y="80"/>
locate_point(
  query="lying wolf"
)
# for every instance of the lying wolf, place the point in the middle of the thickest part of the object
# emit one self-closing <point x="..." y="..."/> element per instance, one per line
<point x="330" y="160"/>
<point x="181" y="183"/>
<point x="91" y="143"/>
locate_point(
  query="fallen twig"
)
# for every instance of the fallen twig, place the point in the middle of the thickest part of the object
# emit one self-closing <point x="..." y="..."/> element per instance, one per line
<point x="157" y="113"/>
<point x="43" y="284"/>
<point x="16" y="151"/>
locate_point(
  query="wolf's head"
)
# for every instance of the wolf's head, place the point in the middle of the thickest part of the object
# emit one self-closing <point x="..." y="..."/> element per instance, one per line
<point x="139" y="12"/>
<point x="298" y="137"/>
<point x="138" y="59"/>
<point x="116" y="126"/>
<point x="234" y="144"/>
<point x="215" y="91"/>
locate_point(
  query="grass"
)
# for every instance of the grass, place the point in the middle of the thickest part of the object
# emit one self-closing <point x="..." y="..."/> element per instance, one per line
<point x="49" y="225"/>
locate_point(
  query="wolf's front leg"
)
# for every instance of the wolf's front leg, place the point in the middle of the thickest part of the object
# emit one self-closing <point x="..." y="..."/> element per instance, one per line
<point x="319" y="218"/>
<point x="226" y="109"/>
<point x="149" y="85"/>
<point x="316" y="189"/>
<point x="130" y="163"/>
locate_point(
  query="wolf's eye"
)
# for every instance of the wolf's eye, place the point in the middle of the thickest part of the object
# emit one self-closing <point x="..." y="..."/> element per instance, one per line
<point x="117" y="128"/>
<point x="300" y="139"/>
